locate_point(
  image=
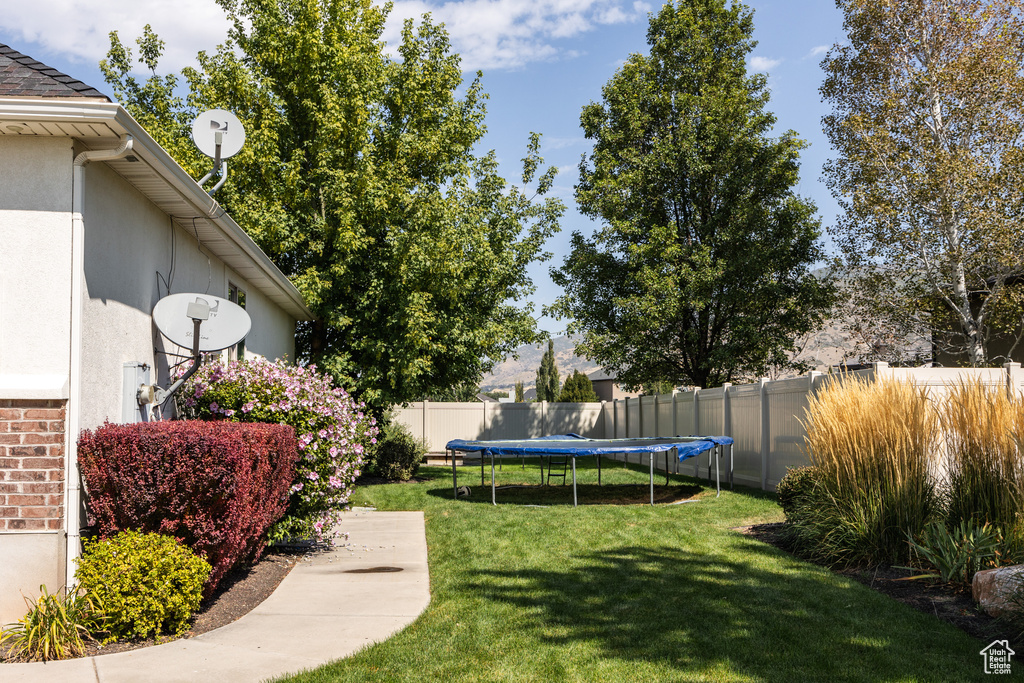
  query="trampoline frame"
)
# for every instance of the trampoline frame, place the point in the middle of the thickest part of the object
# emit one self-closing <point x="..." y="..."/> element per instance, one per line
<point x="716" y="450"/>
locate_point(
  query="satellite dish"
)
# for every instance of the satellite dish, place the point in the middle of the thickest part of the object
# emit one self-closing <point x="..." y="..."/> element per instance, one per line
<point x="225" y="323"/>
<point x="209" y="124"/>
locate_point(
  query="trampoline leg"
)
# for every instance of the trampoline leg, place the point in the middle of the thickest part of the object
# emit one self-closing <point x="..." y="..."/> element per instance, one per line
<point x="455" y="486"/>
<point x="666" y="468"/>
<point x="493" y="501"/>
<point x="652" y="479"/>
<point x="718" y="484"/>
<point x="482" y="468"/>
<point x="575" y="503"/>
<point x="598" y="469"/>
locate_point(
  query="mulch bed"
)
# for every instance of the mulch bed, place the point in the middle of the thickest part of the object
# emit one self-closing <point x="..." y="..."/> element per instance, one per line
<point x="238" y="594"/>
<point x="948" y="603"/>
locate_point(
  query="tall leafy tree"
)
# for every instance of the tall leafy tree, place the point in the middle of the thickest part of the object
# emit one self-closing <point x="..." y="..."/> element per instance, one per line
<point x="547" y="375"/>
<point x="519" y="392"/>
<point x="359" y="179"/>
<point x="700" y="271"/>
<point x="928" y="118"/>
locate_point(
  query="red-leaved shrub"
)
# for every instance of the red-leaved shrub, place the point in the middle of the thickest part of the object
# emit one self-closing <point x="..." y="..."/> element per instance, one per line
<point x="216" y="486"/>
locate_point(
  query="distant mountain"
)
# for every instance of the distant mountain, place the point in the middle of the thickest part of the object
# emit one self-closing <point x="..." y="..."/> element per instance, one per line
<point x="524" y="369"/>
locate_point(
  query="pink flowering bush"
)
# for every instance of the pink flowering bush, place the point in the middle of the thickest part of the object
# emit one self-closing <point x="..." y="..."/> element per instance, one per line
<point x="330" y="427"/>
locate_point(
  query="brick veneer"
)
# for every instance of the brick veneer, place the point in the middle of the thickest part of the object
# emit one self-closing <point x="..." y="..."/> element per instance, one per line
<point x="31" y="464"/>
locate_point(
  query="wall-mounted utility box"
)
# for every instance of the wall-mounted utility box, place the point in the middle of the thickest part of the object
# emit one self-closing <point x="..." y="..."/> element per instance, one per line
<point x="135" y="375"/>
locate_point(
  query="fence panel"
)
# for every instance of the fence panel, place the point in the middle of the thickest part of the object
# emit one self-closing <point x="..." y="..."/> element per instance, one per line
<point x="632" y="418"/>
<point x="665" y="418"/>
<point x="787" y="403"/>
<point x="442" y="420"/>
<point x="412" y="417"/>
<point x="575" y="418"/>
<point x="648" y="416"/>
<point x="745" y="429"/>
<point x="514" y="421"/>
<point x="686" y="413"/>
<point x="608" y="418"/>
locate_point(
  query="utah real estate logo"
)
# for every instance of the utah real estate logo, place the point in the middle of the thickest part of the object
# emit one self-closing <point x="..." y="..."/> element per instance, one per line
<point x="997" y="657"/>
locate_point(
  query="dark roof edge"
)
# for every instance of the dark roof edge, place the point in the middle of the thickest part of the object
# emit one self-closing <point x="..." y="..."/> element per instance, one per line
<point x="66" y="86"/>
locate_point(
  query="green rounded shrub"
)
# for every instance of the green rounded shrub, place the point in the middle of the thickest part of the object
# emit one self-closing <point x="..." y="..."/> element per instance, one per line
<point x="148" y="584"/>
<point x="398" y="454"/>
<point x="797" y="485"/>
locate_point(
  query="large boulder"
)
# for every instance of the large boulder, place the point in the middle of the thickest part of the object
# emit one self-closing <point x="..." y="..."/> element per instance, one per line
<point x="994" y="589"/>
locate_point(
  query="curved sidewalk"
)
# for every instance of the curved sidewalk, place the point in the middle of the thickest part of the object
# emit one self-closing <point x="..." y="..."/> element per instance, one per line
<point x="320" y="612"/>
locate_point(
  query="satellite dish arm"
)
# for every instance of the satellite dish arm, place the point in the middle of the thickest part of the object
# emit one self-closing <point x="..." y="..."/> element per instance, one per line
<point x="165" y="395"/>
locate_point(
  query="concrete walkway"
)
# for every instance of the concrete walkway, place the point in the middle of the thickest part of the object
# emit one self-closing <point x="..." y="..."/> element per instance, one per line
<point x="318" y="614"/>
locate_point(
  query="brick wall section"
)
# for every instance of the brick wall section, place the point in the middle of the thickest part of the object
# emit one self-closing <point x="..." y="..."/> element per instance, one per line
<point x="31" y="465"/>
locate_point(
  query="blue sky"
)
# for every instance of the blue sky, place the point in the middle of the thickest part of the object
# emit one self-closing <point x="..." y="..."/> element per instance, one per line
<point x="542" y="62"/>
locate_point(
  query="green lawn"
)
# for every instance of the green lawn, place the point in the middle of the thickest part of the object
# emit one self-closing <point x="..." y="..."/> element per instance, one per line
<point x="634" y="593"/>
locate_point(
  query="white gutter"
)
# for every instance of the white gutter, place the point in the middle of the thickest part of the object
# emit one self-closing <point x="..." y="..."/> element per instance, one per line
<point x="72" y="480"/>
<point x="99" y="115"/>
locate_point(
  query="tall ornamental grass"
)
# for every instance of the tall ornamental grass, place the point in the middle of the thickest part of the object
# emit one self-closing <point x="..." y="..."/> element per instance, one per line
<point x="983" y="458"/>
<point x="872" y="444"/>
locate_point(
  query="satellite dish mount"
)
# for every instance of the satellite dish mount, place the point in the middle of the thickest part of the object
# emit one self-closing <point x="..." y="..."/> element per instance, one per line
<point x="180" y="318"/>
<point x="219" y="135"/>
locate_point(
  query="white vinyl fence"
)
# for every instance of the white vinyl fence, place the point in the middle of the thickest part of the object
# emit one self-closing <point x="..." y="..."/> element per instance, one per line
<point x="764" y="419"/>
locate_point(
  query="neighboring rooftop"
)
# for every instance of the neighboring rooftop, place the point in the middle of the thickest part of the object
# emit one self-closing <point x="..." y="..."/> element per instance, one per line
<point x="22" y="76"/>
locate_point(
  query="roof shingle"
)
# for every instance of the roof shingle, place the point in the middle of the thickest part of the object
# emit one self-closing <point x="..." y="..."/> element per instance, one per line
<point x="22" y="76"/>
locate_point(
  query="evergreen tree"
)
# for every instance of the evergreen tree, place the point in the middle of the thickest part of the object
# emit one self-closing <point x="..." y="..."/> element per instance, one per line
<point x="578" y="389"/>
<point x="547" y="375"/>
<point x="519" y="392"/>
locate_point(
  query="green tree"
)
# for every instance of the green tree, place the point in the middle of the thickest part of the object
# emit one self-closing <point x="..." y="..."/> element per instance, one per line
<point x="578" y="389"/>
<point x="928" y="117"/>
<point x="547" y="375"/>
<point x="359" y="179"/>
<point x="519" y="392"/>
<point x="700" y="273"/>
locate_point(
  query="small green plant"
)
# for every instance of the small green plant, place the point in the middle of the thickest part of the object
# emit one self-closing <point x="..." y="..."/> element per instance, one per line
<point x="959" y="554"/>
<point x="148" y="584"/>
<point x="398" y="453"/>
<point x="56" y="626"/>
<point x="795" y="487"/>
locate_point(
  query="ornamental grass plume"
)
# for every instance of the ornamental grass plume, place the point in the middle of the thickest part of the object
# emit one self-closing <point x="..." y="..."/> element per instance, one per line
<point x="984" y="461"/>
<point x="331" y="428"/>
<point x="873" y="444"/>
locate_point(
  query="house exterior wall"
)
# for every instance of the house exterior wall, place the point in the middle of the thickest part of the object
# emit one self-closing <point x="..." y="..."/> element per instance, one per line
<point x="35" y="338"/>
<point x="127" y="242"/>
<point x="35" y="261"/>
<point x="129" y="246"/>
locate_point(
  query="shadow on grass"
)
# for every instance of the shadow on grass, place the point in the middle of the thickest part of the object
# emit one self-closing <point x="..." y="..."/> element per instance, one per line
<point x="760" y="616"/>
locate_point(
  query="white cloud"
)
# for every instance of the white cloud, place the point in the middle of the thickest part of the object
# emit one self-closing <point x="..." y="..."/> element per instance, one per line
<point x="508" y="34"/>
<point x="488" y="34"/>
<point x="818" y="51"/>
<point x="763" y="63"/>
<point x="80" y="29"/>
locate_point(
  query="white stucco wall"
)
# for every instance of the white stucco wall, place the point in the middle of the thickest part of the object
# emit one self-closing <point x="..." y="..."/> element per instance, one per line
<point x="128" y="242"/>
<point x="35" y="265"/>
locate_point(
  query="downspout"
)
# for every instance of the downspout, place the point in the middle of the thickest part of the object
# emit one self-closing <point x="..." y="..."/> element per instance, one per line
<point x="72" y="482"/>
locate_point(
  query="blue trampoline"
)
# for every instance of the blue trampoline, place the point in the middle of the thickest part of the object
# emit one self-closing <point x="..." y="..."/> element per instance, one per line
<point x="573" y="446"/>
